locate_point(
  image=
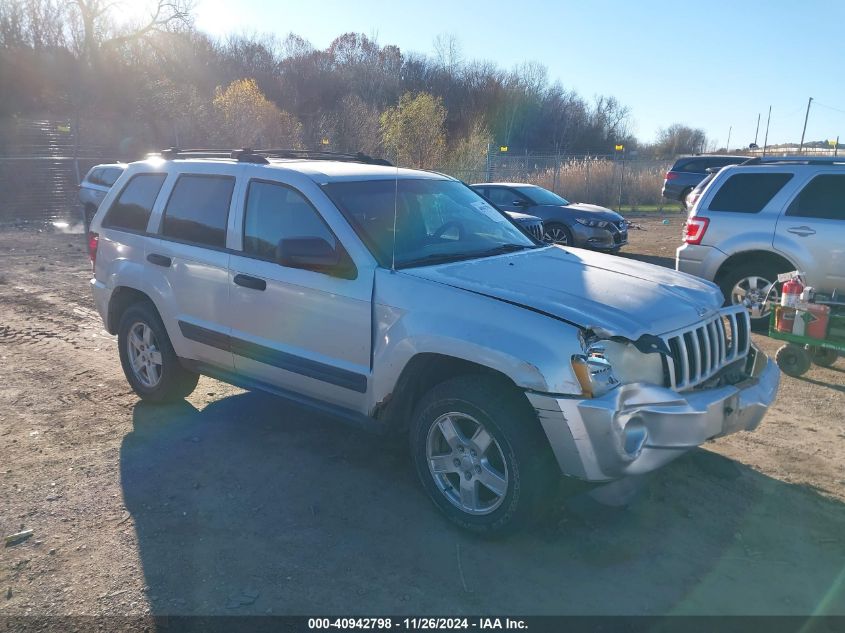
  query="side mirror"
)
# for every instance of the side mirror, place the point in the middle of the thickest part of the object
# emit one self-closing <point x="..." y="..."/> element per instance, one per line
<point x="313" y="253"/>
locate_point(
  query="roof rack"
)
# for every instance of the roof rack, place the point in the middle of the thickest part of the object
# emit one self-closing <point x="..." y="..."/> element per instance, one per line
<point x="794" y="160"/>
<point x="260" y="156"/>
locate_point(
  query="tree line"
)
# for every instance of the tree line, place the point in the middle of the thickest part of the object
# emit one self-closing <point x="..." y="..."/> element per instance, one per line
<point x="157" y="81"/>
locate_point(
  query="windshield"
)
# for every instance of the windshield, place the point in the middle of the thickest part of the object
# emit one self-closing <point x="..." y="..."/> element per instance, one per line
<point x="436" y="220"/>
<point x="538" y="195"/>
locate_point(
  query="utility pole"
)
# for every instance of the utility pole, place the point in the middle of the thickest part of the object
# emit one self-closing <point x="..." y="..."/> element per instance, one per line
<point x="766" y="139"/>
<point x="836" y="147"/>
<point x="758" y="129"/>
<point x="728" y="144"/>
<point x="806" y="116"/>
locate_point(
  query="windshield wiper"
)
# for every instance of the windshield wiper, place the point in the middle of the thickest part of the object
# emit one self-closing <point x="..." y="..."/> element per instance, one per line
<point x="504" y="248"/>
<point x="442" y="258"/>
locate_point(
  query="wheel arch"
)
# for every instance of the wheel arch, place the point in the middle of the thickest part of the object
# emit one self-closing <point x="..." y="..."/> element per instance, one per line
<point x="762" y="257"/>
<point x="121" y="299"/>
<point x="420" y="374"/>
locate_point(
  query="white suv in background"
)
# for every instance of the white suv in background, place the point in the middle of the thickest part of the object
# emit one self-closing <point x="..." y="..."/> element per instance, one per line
<point x="765" y="217"/>
<point x="401" y="301"/>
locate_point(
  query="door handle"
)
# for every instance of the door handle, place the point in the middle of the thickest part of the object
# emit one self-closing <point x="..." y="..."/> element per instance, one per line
<point x="250" y="282"/>
<point x="802" y="231"/>
<point x="159" y="260"/>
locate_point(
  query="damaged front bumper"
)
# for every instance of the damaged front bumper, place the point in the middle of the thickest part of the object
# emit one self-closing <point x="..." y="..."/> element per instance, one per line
<point x="637" y="428"/>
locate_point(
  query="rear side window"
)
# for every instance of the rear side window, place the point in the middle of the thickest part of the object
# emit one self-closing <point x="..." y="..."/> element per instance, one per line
<point x="747" y="193"/>
<point x="133" y="206"/>
<point x="198" y="209"/>
<point x="823" y="197"/>
<point x="94" y="177"/>
<point x="274" y="212"/>
<point x="109" y="175"/>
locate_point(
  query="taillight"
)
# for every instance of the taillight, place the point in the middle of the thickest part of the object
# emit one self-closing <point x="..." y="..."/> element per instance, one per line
<point x="93" y="242"/>
<point x="694" y="229"/>
<point x="671" y="175"/>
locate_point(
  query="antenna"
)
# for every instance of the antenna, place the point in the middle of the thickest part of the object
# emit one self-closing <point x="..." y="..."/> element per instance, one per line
<point x="395" y="213"/>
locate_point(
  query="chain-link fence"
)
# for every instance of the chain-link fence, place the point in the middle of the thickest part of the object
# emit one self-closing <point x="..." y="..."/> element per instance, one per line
<point x="605" y="180"/>
<point x="40" y="167"/>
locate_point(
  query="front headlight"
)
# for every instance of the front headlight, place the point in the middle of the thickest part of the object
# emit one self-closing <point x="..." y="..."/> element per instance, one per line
<point x="606" y="364"/>
<point x="593" y="371"/>
<point x="591" y="223"/>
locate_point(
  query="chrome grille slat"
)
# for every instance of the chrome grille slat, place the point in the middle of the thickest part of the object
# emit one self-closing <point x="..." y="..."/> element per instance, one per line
<point x="699" y="352"/>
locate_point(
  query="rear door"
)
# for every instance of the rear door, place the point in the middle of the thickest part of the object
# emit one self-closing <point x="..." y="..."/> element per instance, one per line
<point x="189" y="263"/>
<point x="812" y="230"/>
<point x="303" y="330"/>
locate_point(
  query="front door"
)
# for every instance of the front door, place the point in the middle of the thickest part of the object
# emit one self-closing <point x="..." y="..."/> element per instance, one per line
<point x="305" y="331"/>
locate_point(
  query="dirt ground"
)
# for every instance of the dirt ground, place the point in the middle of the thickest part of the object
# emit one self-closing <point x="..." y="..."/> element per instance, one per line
<point x="239" y="503"/>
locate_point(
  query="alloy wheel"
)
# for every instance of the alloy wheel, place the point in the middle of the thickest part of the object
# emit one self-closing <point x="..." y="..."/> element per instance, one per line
<point x="467" y="463"/>
<point x="144" y="354"/>
<point x="556" y="235"/>
<point x="753" y="292"/>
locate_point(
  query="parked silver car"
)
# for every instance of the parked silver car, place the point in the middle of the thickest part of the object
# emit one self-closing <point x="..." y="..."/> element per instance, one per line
<point x="765" y="217"/>
<point x="401" y="301"/>
<point x="565" y="223"/>
<point x="94" y="187"/>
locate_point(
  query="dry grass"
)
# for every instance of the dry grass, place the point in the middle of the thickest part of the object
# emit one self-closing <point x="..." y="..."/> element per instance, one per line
<point x="598" y="181"/>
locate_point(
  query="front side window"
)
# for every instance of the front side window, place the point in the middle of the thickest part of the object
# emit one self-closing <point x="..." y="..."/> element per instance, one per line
<point x="748" y="193"/>
<point x="132" y="208"/>
<point x="433" y="221"/>
<point x="275" y="212"/>
<point x="502" y="197"/>
<point x="538" y="195"/>
<point x="198" y="209"/>
<point x="823" y="197"/>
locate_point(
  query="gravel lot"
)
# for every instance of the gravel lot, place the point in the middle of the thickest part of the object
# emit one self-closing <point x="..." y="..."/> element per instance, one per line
<point x="239" y="503"/>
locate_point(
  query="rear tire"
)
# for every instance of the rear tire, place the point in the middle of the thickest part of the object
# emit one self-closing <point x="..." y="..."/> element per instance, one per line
<point x="750" y="284"/>
<point x="482" y="456"/>
<point x="149" y="362"/>
<point x="823" y="356"/>
<point x="793" y="360"/>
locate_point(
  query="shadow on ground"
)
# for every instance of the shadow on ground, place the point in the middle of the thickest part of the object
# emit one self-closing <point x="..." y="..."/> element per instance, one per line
<point x="253" y="506"/>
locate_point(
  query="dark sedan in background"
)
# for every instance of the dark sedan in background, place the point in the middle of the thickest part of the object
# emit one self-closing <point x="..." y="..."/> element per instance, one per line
<point x="564" y="222"/>
<point x="688" y="171"/>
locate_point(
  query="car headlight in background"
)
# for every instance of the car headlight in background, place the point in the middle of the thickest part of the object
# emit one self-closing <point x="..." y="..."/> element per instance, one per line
<point x="606" y="364"/>
<point x="591" y="223"/>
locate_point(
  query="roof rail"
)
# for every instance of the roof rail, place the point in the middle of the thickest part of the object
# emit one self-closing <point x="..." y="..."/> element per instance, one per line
<point x="260" y="156"/>
<point x="794" y="160"/>
<point x="309" y="154"/>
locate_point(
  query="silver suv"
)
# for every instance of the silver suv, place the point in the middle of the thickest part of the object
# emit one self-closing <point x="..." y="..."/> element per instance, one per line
<point x="94" y="187"/>
<point x="403" y="302"/>
<point x="765" y="217"/>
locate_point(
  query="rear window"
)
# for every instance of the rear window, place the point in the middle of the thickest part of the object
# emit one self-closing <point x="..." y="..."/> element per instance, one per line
<point x="133" y="206"/>
<point x="700" y="165"/>
<point x="747" y="193"/>
<point x="198" y="209"/>
<point x="823" y="197"/>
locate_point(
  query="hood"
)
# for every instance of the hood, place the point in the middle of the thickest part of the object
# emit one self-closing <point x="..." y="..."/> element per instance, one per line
<point x="613" y="295"/>
<point x="595" y="211"/>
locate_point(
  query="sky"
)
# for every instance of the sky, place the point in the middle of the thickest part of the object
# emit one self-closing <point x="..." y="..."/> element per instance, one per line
<point x="715" y="64"/>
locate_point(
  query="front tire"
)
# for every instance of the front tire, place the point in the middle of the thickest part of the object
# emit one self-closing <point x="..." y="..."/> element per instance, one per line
<point x="481" y="455"/>
<point x="149" y="362"/>
<point x="558" y="234"/>
<point x="793" y="360"/>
